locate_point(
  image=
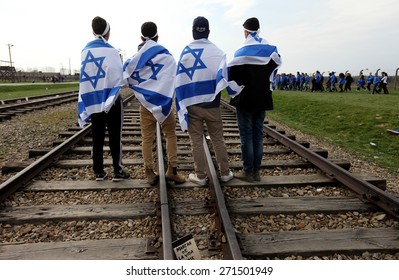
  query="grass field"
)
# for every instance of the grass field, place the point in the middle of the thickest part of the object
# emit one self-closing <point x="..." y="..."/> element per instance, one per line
<point x="354" y="121"/>
<point x="18" y="91"/>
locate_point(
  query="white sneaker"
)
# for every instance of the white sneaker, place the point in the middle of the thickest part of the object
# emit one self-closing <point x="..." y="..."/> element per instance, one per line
<point x="194" y="178"/>
<point x="227" y="177"/>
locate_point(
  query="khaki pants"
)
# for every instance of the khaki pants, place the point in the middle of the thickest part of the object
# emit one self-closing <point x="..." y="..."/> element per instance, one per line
<point x="213" y="120"/>
<point x="148" y="131"/>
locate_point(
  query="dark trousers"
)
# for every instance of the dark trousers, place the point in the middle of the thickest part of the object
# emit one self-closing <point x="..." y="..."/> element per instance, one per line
<point x="383" y="86"/>
<point x="250" y="126"/>
<point x="112" y="121"/>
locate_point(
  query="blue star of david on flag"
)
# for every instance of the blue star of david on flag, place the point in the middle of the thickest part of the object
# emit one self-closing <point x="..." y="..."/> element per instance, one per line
<point x="98" y="62"/>
<point x="198" y="63"/>
<point x="136" y="76"/>
<point x="155" y="69"/>
<point x="204" y="85"/>
<point x="151" y="73"/>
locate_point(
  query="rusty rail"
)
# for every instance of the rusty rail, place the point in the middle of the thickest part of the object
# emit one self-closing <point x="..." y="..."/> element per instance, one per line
<point x="23" y="177"/>
<point x="233" y="249"/>
<point x="365" y="190"/>
<point x="167" y="249"/>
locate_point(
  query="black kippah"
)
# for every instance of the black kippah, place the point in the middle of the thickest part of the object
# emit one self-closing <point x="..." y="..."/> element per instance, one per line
<point x="98" y="24"/>
<point x="149" y="29"/>
<point x="251" y="24"/>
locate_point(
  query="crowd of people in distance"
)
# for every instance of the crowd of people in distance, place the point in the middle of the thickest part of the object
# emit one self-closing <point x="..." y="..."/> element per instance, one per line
<point x="342" y="82"/>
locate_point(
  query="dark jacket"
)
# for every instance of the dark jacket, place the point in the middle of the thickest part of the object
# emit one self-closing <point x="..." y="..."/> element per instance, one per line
<point x="256" y="95"/>
<point x="213" y="104"/>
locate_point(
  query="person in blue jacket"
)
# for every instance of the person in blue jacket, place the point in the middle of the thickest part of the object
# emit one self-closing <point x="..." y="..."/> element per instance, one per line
<point x="318" y="81"/>
<point x="360" y="83"/>
<point x="370" y="79"/>
<point x="333" y="81"/>
<point x="376" y="83"/>
<point x="341" y="82"/>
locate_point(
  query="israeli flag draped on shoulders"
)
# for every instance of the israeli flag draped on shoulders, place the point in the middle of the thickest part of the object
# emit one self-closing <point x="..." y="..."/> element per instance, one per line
<point x="201" y="75"/>
<point x="151" y="73"/>
<point x="100" y="79"/>
<point x="256" y="50"/>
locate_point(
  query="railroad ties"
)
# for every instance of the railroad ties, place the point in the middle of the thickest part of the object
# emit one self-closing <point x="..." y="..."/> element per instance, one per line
<point x="18" y="106"/>
<point x="295" y="210"/>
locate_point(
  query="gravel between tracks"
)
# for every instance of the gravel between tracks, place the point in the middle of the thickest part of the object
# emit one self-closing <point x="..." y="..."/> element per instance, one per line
<point x="40" y="129"/>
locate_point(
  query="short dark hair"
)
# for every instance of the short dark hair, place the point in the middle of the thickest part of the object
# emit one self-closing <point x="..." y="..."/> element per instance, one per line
<point x="98" y="24"/>
<point x="149" y="29"/>
<point x="252" y="24"/>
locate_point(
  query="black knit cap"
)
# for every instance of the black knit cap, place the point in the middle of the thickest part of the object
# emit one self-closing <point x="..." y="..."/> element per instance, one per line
<point x="149" y="29"/>
<point x="252" y="24"/>
<point x="200" y="28"/>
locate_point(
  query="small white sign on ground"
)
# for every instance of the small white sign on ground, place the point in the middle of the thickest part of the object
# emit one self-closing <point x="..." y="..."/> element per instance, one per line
<point x="185" y="248"/>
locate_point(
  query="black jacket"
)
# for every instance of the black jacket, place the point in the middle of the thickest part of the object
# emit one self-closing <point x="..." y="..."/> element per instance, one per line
<point x="256" y="95"/>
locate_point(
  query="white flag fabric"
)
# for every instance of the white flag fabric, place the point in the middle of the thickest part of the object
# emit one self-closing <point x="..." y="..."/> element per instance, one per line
<point x="100" y="79"/>
<point x="201" y="75"/>
<point x="151" y="73"/>
<point x="256" y="50"/>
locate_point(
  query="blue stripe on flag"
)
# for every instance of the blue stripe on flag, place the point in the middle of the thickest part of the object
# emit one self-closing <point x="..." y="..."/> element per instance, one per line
<point x="231" y="91"/>
<point x="97" y="44"/>
<point x="256" y="50"/>
<point x="195" y="89"/>
<point x="156" y="99"/>
<point x="219" y="76"/>
<point x="126" y="64"/>
<point x="149" y="54"/>
<point x="81" y="107"/>
<point x="98" y="96"/>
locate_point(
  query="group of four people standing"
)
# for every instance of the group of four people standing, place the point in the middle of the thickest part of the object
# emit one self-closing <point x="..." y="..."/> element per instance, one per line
<point x="193" y="86"/>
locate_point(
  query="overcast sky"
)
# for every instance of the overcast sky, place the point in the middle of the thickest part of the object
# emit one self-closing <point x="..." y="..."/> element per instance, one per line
<point x="325" y="35"/>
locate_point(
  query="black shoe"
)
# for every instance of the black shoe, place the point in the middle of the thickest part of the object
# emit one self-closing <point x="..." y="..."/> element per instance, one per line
<point x="120" y="176"/>
<point x="100" y="176"/>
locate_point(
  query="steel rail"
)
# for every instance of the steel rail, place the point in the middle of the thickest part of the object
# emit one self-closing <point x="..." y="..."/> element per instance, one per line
<point x="167" y="249"/>
<point x="28" y="173"/>
<point x="234" y="250"/>
<point x="365" y="190"/>
<point x="31" y="98"/>
<point x="24" y="176"/>
<point x="59" y="97"/>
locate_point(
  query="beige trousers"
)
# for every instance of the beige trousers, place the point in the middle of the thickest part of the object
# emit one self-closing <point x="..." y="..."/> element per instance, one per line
<point x="148" y="131"/>
<point x="197" y="116"/>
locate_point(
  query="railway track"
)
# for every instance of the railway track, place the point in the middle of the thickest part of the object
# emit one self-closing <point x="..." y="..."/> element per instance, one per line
<point x="296" y="211"/>
<point x="17" y="106"/>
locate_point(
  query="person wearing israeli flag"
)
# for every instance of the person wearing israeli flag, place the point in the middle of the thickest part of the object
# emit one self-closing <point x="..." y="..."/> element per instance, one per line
<point x="150" y="74"/>
<point x="99" y="99"/>
<point x="200" y="77"/>
<point x="254" y="66"/>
